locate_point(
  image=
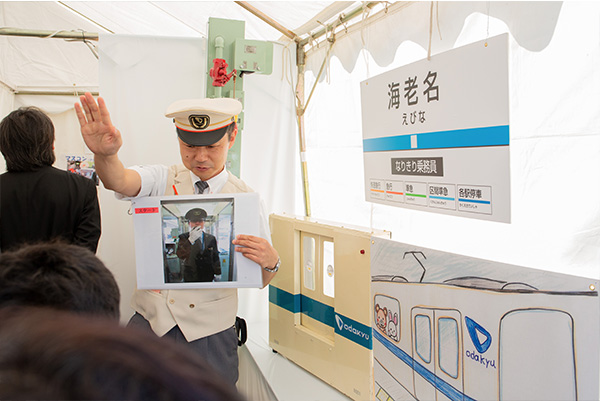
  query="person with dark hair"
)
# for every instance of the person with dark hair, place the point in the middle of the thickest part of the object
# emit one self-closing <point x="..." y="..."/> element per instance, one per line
<point x="198" y="250"/>
<point x="39" y="202"/>
<point x="54" y="355"/>
<point x="203" y="319"/>
<point x="58" y="275"/>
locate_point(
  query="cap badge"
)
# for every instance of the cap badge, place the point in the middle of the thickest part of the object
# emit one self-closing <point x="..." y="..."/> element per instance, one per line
<point x="199" y="121"/>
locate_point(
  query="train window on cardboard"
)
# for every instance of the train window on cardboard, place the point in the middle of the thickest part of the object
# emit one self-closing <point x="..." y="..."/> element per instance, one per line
<point x="308" y="261"/>
<point x="328" y="269"/>
<point x="547" y="338"/>
<point x="448" y="346"/>
<point x="423" y="337"/>
<point x="387" y="316"/>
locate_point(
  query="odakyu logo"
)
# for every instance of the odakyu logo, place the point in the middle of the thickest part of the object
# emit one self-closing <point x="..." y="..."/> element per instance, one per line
<point x="475" y="329"/>
<point x="342" y="326"/>
<point x="339" y="321"/>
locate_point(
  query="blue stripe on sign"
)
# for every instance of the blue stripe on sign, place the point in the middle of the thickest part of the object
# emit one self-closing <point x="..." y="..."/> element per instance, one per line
<point x="474" y="201"/>
<point x="342" y="325"/>
<point x="284" y="299"/>
<point x="446" y="388"/>
<point x="441" y="197"/>
<point x="460" y="138"/>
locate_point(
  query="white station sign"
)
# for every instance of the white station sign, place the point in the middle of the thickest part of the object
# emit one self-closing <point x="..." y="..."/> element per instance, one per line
<point x="436" y="133"/>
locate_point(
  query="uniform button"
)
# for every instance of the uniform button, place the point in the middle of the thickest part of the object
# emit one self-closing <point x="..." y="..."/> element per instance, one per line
<point x="192" y="306"/>
<point x="171" y="301"/>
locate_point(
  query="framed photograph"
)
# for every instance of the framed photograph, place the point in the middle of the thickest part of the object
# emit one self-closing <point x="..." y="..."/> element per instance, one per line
<point x="184" y="242"/>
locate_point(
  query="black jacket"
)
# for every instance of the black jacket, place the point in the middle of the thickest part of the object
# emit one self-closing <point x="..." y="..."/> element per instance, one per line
<point x="45" y="204"/>
<point x="200" y="260"/>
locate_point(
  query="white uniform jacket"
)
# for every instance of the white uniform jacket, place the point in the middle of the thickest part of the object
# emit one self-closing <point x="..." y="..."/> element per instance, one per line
<point x="199" y="312"/>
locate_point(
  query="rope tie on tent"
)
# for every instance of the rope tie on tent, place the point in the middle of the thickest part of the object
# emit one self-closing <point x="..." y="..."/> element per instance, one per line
<point x="430" y="30"/>
<point x="320" y="72"/>
<point x="331" y="39"/>
<point x="437" y="18"/>
<point x="52" y="34"/>
<point x="88" y="44"/>
<point x="487" y="35"/>
<point x="83" y="39"/>
<point x="363" y="23"/>
<point x="284" y="62"/>
<point x="86" y="41"/>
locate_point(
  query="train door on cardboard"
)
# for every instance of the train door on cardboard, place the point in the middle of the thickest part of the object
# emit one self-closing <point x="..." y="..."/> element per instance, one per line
<point x="437" y="354"/>
<point x="317" y="284"/>
<point x="537" y="356"/>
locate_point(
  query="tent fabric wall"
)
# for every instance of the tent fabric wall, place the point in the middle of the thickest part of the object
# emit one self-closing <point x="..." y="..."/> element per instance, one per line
<point x="6" y="106"/>
<point x="45" y="63"/>
<point x="555" y="141"/>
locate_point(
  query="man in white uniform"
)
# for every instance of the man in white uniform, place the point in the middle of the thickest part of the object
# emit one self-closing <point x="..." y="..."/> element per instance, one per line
<point x="206" y="128"/>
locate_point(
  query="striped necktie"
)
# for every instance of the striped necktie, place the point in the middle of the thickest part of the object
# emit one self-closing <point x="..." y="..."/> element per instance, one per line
<point x="201" y="186"/>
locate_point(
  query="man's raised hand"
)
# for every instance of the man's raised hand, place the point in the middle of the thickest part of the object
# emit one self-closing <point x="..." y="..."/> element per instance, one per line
<point x="99" y="134"/>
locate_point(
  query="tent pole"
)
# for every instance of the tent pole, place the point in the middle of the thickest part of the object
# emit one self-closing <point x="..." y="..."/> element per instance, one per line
<point x="267" y="19"/>
<point x="54" y="93"/>
<point x="300" y="87"/>
<point x="332" y="42"/>
<point x="343" y="18"/>
<point x="75" y="35"/>
<point x="300" y="63"/>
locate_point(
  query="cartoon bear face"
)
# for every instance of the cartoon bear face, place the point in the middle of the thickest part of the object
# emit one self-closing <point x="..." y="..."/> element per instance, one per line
<point x="381" y="317"/>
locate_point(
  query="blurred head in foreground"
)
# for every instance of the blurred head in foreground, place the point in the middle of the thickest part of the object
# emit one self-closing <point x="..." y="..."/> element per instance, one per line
<point x="56" y="355"/>
<point x="58" y="275"/>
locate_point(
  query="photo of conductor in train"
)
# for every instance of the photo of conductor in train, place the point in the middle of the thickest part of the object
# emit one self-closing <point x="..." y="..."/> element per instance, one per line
<point x="198" y="250"/>
<point x="197" y="241"/>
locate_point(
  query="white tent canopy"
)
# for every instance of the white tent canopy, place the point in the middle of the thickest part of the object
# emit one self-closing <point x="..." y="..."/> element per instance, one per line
<point x="58" y="66"/>
<point x="554" y="111"/>
<point x="375" y="30"/>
